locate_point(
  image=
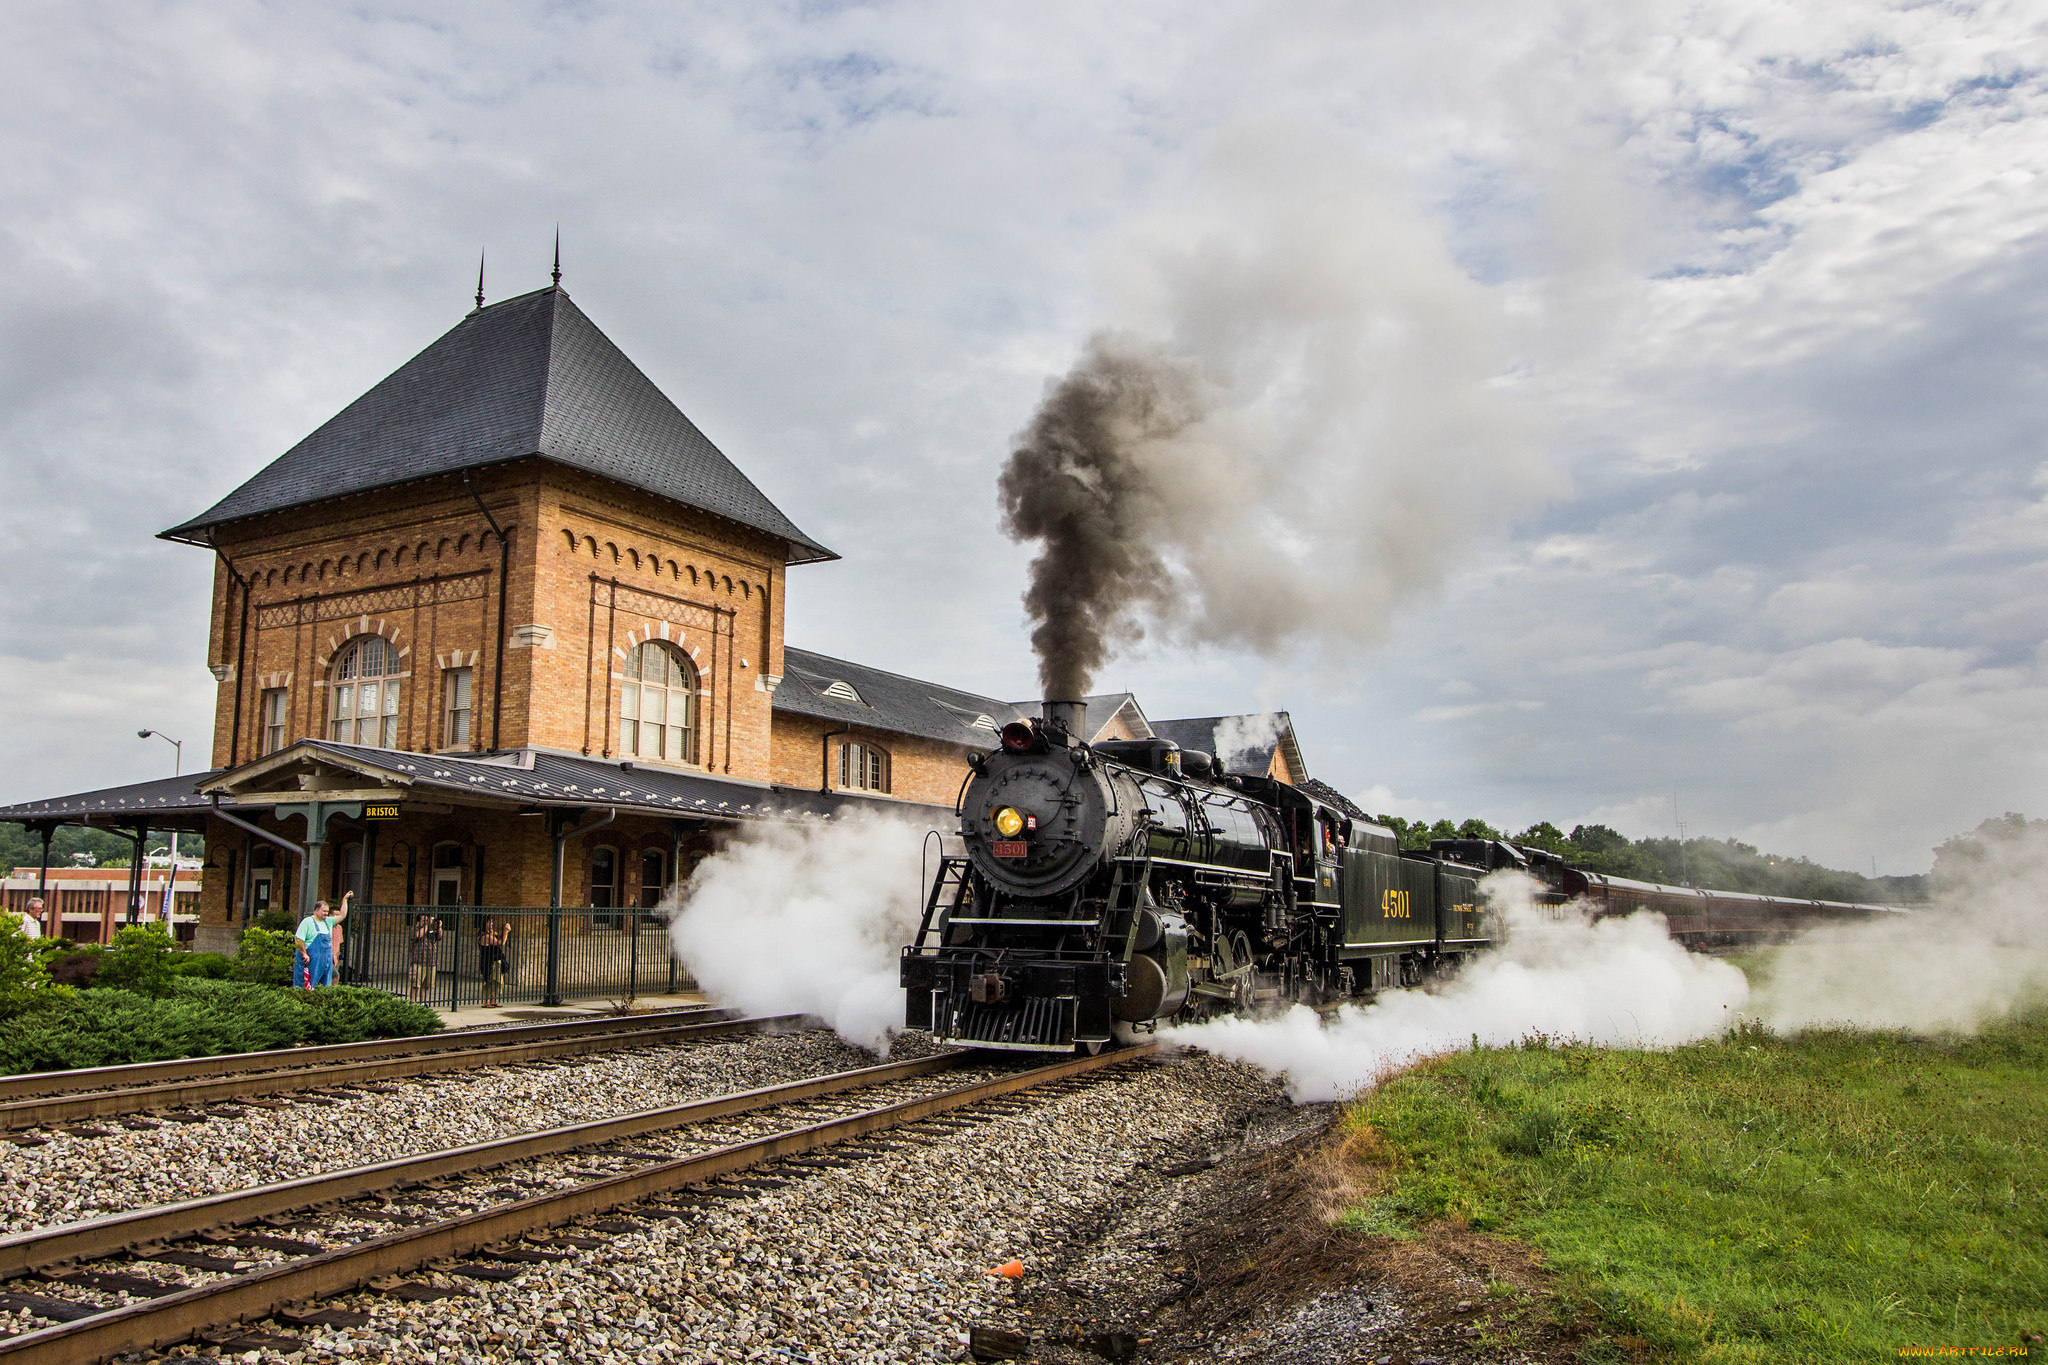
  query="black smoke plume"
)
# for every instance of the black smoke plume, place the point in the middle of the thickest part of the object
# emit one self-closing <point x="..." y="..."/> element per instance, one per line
<point x="1080" y="484"/>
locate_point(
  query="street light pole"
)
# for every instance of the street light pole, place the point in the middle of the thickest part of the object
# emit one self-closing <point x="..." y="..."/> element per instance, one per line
<point x="178" y="760"/>
<point x="177" y="770"/>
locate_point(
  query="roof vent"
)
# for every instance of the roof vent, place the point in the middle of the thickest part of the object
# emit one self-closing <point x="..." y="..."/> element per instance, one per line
<point x="843" y="690"/>
<point x="987" y="723"/>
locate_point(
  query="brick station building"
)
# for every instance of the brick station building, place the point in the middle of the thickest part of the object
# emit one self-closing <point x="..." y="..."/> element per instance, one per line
<point x="508" y="631"/>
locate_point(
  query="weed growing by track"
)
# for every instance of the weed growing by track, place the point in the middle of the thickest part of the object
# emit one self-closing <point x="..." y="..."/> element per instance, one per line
<point x="1828" y="1196"/>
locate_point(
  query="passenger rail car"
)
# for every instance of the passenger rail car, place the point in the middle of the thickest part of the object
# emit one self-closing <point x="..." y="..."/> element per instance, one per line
<point x="1695" y="917"/>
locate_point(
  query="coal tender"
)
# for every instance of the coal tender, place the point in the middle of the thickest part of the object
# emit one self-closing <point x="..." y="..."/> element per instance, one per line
<point x="1133" y="881"/>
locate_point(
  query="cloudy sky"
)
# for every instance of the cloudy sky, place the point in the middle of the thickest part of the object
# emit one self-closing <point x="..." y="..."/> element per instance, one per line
<point x="1747" y="299"/>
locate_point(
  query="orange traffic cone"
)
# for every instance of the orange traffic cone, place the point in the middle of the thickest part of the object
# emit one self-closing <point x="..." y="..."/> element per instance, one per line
<point x="1010" y="1270"/>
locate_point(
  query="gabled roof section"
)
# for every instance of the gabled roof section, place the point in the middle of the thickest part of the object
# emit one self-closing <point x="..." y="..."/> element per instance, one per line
<point x="532" y="376"/>
<point x="817" y="684"/>
<point x="1242" y="744"/>
<point x="1113" y="713"/>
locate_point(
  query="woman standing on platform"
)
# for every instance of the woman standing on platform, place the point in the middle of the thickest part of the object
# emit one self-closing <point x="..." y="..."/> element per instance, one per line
<point x="425" y="954"/>
<point x="491" y="958"/>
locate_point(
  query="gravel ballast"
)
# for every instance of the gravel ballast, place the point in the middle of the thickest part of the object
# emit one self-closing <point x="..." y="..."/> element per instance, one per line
<point x="71" y="1178"/>
<point x="882" y="1259"/>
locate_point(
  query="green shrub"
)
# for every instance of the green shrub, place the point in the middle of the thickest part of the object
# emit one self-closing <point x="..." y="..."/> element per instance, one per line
<point x="348" y="1014"/>
<point x="212" y="966"/>
<point x="24" y="980"/>
<point x="200" y="1016"/>
<point x="74" y="966"/>
<point x="265" y="956"/>
<point x="277" y="921"/>
<point x="139" y="960"/>
<point x="268" y="1018"/>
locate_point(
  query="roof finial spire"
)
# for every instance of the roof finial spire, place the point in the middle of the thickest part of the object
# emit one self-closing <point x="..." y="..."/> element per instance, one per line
<point x="558" y="256"/>
<point x="479" y="279"/>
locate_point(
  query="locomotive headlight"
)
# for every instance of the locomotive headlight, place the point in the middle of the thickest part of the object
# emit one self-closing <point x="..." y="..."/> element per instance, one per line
<point x="1009" y="823"/>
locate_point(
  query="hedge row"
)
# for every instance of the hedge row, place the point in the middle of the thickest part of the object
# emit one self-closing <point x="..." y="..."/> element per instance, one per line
<point x="197" y="1017"/>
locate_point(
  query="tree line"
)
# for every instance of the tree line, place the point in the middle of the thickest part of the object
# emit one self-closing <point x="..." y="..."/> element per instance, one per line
<point x="1711" y="864"/>
<point x="21" y="846"/>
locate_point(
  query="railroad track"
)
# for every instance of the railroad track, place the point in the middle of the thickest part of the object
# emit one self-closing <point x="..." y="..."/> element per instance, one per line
<point x="54" y="1099"/>
<point x="424" y="1196"/>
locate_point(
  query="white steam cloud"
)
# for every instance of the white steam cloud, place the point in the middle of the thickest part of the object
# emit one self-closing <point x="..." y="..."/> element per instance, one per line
<point x="806" y="918"/>
<point x="1978" y="951"/>
<point x="1614" y="981"/>
<point x="1298" y="423"/>
<point x="1243" y="741"/>
<point x="1970" y="958"/>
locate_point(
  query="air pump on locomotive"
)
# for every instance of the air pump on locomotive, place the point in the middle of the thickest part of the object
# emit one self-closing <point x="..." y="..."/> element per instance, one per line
<point x="1133" y="881"/>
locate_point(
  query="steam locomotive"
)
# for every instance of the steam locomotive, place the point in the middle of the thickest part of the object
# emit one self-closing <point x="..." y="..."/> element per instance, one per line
<point x="1132" y="881"/>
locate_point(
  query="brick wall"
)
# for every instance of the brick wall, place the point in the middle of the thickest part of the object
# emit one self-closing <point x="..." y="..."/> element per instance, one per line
<point x="615" y="571"/>
<point x="420" y="567"/>
<point x="594" y="569"/>
<point x="806" y="754"/>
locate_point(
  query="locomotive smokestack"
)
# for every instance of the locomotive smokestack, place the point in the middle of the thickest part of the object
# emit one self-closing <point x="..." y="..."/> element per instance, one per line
<point x="1071" y="716"/>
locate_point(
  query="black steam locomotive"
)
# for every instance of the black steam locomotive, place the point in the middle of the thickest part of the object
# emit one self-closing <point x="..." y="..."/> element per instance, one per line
<point x="1134" y="881"/>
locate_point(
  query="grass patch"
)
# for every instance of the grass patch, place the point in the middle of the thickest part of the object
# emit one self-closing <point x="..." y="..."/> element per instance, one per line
<point x="1824" y="1197"/>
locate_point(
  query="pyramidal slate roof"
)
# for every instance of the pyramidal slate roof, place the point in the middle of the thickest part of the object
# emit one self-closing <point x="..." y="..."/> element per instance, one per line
<point x="530" y="376"/>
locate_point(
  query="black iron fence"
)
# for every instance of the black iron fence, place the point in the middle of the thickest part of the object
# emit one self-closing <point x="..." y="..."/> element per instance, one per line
<point x="508" y="955"/>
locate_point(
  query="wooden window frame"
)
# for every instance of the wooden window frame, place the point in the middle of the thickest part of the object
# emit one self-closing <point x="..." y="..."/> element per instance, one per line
<point x="865" y="767"/>
<point x="345" y="691"/>
<point x="458" y="684"/>
<point x="274" y="706"/>
<point x="632" y="704"/>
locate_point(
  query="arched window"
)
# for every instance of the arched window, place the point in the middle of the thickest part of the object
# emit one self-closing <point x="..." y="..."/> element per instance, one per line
<point x="658" y="705"/>
<point x="863" y="767"/>
<point x="365" y="687"/>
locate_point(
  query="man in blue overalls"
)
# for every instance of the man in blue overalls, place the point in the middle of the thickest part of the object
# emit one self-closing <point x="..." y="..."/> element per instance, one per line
<point x="316" y="941"/>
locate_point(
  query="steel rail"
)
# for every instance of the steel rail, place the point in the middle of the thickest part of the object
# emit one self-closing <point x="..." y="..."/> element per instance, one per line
<point x="163" y="1322"/>
<point x="184" y="1068"/>
<point x="54" y="1110"/>
<point x="26" y="1252"/>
